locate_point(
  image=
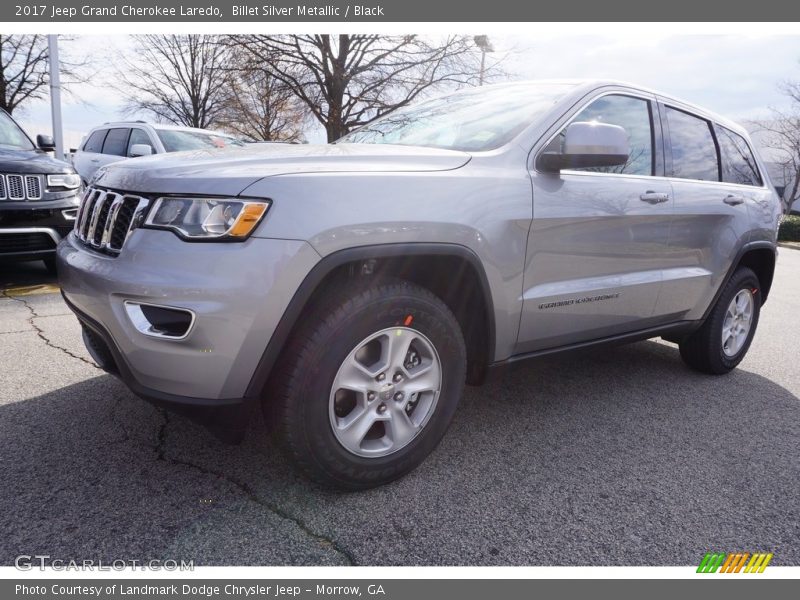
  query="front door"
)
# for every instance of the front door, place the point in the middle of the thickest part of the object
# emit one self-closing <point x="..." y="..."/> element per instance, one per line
<point x="598" y="237"/>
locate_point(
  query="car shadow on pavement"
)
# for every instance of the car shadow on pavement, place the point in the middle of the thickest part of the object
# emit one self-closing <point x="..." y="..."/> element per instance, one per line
<point x="30" y="273"/>
<point x="621" y="456"/>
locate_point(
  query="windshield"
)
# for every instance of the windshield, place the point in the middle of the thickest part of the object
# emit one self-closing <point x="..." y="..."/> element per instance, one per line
<point x="176" y="140"/>
<point x="11" y="135"/>
<point x="473" y="120"/>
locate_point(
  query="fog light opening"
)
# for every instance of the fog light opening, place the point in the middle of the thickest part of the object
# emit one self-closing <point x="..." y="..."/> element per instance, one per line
<point x="160" y="321"/>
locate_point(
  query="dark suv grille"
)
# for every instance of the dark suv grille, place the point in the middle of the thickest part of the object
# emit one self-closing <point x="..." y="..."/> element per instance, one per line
<point x="106" y="218"/>
<point x="20" y="187"/>
<point x="25" y="242"/>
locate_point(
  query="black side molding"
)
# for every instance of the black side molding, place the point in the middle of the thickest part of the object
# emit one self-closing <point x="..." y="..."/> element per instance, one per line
<point x="677" y="328"/>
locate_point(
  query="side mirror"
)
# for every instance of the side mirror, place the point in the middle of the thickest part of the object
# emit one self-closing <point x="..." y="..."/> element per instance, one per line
<point x="588" y="145"/>
<point x="45" y="142"/>
<point x="140" y="150"/>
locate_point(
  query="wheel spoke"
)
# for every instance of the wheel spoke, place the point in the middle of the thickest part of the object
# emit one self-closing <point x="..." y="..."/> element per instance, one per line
<point x="425" y="381"/>
<point x="353" y="430"/>
<point x="354" y="376"/>
<point x="399" y="343"/>
<point x="400" y="427"/>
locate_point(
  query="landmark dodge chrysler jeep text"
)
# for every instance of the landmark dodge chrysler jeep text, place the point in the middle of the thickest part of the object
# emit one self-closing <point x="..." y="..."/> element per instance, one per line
<point x="352" y="289"/>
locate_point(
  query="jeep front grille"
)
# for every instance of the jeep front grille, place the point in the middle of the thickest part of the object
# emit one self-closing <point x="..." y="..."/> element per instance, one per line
<point x="20" y="187"/>
<point x="106" y="218"/>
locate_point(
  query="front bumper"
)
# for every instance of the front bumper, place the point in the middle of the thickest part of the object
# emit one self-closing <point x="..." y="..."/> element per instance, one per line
<point x="237" y="292"/>
<point x="32" y="230"/>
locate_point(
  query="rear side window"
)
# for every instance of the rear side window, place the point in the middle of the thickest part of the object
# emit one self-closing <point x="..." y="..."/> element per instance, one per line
<point x="634" y="115"/>
<point x="738" y="162"/>
<point x="116" y="142"/>
<point x="95" y="141"/>
<point x="694" y="153"/>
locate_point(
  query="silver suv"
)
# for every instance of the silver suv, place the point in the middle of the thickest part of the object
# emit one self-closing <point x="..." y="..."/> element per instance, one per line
<point x="352" y="289"/>
<point x="112" y="142"/>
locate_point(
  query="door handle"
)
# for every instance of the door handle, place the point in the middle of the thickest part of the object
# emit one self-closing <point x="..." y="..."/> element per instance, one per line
<point x="733" y="200"/>
<point x="95" y="160"/>
<point x="654" y="197"/>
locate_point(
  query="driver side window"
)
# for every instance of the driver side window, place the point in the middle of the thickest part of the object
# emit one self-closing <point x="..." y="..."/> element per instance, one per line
<point x="635" y="116"/>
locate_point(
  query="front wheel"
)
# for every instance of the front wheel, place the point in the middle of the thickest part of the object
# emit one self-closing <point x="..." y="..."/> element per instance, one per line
<point x="369" y="384"/>
<point x="724" y="338"/>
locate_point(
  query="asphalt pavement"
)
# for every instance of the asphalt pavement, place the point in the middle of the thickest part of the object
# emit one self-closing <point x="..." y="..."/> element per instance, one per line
<point x="618" y="457"/>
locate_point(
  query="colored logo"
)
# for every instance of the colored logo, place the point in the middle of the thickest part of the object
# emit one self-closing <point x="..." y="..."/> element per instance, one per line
<point x="734" y="562"/>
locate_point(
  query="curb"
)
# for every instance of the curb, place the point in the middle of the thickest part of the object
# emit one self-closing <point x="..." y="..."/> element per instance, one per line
<point x="790" y="245"/>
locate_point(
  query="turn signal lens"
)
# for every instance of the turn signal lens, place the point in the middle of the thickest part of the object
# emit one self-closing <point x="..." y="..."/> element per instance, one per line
<point x="247" y="220"/>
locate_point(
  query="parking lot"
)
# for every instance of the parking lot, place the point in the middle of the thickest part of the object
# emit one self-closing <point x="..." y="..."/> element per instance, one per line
<point x="621" y="456"/>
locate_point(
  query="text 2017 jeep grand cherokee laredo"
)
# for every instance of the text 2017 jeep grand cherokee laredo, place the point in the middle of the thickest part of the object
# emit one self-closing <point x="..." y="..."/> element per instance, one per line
<point x="351" y="289"/>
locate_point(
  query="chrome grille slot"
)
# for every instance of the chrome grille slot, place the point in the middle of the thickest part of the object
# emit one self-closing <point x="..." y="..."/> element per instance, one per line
<point x="14" y="186"/>
<point x="106" y="218"/>
<point x="33" y="187"/>
<point x="100" y="219"/>
<point x="2" y="187"/>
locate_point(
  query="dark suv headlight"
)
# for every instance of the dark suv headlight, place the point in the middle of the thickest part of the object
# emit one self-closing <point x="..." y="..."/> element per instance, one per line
<point x="207" y="218"/>
<point x="67" y="181"/>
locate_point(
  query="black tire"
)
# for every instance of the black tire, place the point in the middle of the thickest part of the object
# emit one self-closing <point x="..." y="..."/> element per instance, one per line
<point x="50" y="265"/>
<point x="299" y="408"/>
<point x="703" y="350"/>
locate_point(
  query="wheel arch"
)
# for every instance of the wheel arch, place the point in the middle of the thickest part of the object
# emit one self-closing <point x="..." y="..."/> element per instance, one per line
<point x="464" y="288"/>
<point x="758" y="256"/>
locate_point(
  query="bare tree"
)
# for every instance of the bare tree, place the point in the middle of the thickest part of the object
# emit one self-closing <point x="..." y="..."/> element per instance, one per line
<point x="180" y="79"/>
<point x="261" y="107"/>
<point x="24" y="70"/>
<point x="781" y="134"/>
<point x="349" y="80"/>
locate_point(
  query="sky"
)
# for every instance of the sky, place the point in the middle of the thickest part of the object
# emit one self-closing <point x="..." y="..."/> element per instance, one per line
<point x="736" y="76"/>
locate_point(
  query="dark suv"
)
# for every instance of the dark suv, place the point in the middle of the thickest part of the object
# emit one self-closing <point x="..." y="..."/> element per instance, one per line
<point x="38" y="196"/>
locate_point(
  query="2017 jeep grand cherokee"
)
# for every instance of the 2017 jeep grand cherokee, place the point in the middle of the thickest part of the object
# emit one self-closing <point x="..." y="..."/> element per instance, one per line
<point x="351" y="289"/>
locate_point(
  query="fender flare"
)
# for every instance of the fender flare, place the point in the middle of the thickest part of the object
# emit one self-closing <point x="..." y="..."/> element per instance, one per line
<point x="336" y="259"/>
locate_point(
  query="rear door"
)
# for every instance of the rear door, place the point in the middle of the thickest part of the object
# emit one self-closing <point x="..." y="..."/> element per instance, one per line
<point x="599" y="235"/>
<point x="87" y="160"/>
<point x="713" y="190"/>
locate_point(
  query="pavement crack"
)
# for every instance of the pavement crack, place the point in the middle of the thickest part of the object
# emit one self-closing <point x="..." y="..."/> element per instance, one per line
<point x="40" y="332"/>
<point x="249" y="493"/>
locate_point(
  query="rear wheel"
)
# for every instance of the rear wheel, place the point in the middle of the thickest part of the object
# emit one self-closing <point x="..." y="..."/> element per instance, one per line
<point x="369" y="384"/>
<point x="723" y="340"/>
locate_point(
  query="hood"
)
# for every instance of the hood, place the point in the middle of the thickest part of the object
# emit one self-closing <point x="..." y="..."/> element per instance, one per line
<point x="30" y="161"/>
<point x="231" y="170"/>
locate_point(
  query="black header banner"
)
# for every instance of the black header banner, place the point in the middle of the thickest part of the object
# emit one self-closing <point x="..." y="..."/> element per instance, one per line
<point x="392" y="11"/>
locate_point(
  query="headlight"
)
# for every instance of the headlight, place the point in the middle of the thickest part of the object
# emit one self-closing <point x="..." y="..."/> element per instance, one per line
<point x="69" y="181"/>
<point x="207" y="218"/>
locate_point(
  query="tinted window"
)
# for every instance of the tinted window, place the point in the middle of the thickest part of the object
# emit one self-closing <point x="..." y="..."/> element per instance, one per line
<point x="738" y="162"/>
<point x="95" y="141"/>
<point x="632" y="114"/>
<point x="139" y="136"/>
<point x="116" y="142"/>
<point x="694" y="154"/>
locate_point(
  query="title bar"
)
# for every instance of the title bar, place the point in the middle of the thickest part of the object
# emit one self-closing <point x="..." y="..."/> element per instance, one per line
<point x="386" y="11"/>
